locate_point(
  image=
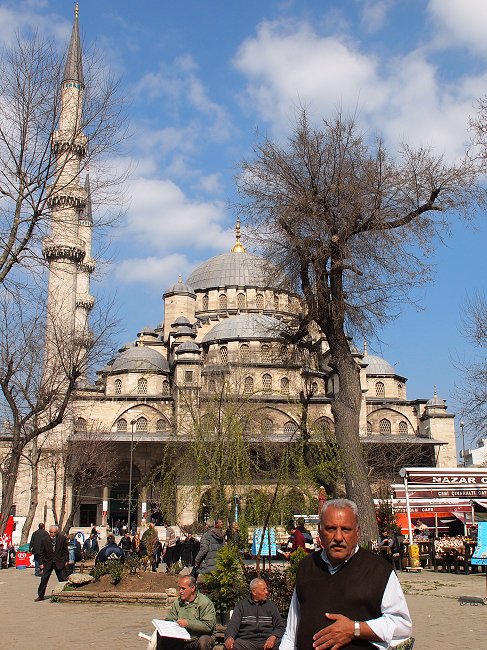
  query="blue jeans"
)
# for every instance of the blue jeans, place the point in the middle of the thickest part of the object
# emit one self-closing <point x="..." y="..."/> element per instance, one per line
<point x="37" y="568"/>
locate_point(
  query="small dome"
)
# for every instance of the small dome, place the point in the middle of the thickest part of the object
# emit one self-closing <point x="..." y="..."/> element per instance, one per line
<point x="436" y="401"/>
<point x="147" y="331"/>
<point x="180" y="288"/>
<point x="233" y="270"/>
<point x="187" y="346"/>
<point x="181" y="320"/>
<point x="140" y="359"/>
<point x="247" y="327"/>
<point x="126" y="346"/>
<point x="378" y="365"/>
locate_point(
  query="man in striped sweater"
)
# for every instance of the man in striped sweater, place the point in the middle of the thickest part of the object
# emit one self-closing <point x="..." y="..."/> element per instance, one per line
<point x="256" y="623"/>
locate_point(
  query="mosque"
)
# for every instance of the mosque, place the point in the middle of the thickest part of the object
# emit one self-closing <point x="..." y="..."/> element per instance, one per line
<point x="229" y="319"/>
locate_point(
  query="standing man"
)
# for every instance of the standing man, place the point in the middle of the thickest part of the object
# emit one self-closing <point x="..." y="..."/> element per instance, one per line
<point x="256" y="623"/>
<point x="345" y="596"/>
<point x="195" y="612"/>
<point x="211" y="543"/>
<point x="35" y="546"/>
<point x="53" y="555"/>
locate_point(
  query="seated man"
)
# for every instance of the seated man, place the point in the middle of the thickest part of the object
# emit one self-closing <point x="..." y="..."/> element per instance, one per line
<point x="256" y="623"/>
<point x="110" y="552"/>
<point x="90" y="547"/>
<point x="195" y="612"/>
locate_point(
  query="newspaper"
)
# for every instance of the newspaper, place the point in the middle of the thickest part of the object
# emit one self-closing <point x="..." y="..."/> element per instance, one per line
<point x="170" y="629"/>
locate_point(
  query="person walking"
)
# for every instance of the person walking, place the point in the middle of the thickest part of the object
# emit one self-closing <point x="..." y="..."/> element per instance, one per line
<point x="35" y="547"/>
<point x="211" y="543"/>
<point x="53" y="556"/>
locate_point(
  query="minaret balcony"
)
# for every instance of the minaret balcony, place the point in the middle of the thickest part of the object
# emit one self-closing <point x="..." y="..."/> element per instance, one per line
<point x="68" y="196"/>
<point x="87" y="266"/>
<point x="64" y="141"/>
<point x="65" y="248"/>
<point x="85" y="301"/>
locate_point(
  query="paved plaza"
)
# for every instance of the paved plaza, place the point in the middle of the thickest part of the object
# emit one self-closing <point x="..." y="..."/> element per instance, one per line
<point x="440" y="622"/>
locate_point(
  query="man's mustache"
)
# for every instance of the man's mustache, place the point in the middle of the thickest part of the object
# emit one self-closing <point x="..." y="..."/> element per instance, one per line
<point x="338" y="545"/>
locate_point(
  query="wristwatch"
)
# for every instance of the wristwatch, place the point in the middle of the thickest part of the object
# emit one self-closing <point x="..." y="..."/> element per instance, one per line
<point x="356" y="630"/>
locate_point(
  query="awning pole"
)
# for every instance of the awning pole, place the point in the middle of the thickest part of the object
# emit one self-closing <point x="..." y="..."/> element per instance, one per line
<point x="408" y="509"/>
<point x="436" y="525"/>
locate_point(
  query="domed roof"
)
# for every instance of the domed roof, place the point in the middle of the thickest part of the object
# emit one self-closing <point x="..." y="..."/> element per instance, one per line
<point x="233" y="270"/>
<point x="182" y="320"/>
<point x="179" y="287"/>
<point x="378" y="365"/>
<point x="141" y="359"/>
<point x="184" y="330"/>
<point x="436" y="401"/>
<point x="187" y="346"/>
<point x="247" y="327"/>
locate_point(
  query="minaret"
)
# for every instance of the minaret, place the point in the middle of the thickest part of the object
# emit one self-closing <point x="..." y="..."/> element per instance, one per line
<point x="64" y="249"/>
<point x="84" y="300"/>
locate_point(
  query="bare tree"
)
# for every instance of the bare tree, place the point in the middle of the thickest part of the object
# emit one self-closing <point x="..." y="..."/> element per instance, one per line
<point x="31" y="73"/>
<point x="348" y="222"/>
<point x="36" y="400"/>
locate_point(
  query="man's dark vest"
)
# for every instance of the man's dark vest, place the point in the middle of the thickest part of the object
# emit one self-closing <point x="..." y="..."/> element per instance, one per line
<point x="356" y="591"/>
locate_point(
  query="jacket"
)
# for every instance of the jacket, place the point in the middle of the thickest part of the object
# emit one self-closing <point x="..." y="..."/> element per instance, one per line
<point x="36" y="541"/>
<point x="211" y="543"/>
<point x="200" y="614"/>
<point x="255" y="621"/>
<point x="57" y="554"/>
<point x="109" y="552"/>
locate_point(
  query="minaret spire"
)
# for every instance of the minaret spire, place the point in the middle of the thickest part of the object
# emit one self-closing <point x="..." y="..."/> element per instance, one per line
<point x="238" y="247"/>
<point x="73" y="70"/>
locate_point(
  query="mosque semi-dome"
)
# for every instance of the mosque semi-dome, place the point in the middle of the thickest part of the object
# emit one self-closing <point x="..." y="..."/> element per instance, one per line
<point x="140" y="359"/>
<point x="247" y="327"/>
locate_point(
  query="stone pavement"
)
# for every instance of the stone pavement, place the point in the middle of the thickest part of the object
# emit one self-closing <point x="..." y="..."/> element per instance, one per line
<point x="440" y="622"/>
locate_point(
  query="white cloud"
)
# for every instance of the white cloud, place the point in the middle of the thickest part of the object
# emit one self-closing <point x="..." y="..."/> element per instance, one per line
<point x="460" y="22"/>
<point x="374" y="14"/>
<point x="21" y="17"/>
<point x="153" y="271"/>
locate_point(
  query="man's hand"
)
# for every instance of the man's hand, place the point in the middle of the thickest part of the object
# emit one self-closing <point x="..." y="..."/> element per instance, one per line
<point x="41" y="566"/>
<point x="182" y="622"/>
<point x="270" y="642"/>
<point x="335" y="636"/>
<point x="229" y="642"/>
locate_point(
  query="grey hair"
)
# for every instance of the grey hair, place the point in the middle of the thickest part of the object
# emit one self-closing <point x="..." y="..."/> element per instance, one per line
<point x="54" y="527"/>
<point x="339" y="504"/>
<point x="255" y="582"/>
<point x="191" y="580"/>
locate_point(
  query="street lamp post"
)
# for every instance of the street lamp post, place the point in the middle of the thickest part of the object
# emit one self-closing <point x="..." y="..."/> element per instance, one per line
<point x="130" y="473"/>
<point x="462" y="424"/>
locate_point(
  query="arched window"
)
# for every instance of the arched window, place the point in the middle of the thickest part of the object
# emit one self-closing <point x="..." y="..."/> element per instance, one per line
<point x="241" y="301"/>
<point x="224" y="355"/>
<point x="80" y="425"/>
<point x="248" y="385"/>
<point x="222" y="301"/>
<point x="285" y="385"/>
<point x="267" y="383"/>
<point x="245" y="353"/>
<point x="369" y="427"/>
<point x="142" y="386"/>
<point x="141" y="424"/>
<point x="400" y="391"/>
<point x="290" y="428"/>
<point x="276" y="302"/>
<point x="118" y="386"/>
<point x="165" y="387"/>
<point x="259" y="301"/>
<point x="212" y="386"/>
<point x="324" y="425"/>
<point x="283" y="353"/>
<point x="403" y="427"/>
<point x="206" y="423"/>
<point x="265" y="352"/>
<point x="122" y="424"/>
<point x="266" y="426"/>
<point x="385" y="426"/>
<point x="380" y="390"/>
<point x="205" y="302"/>
<point x="314" y="387"/>
<point x="161" y="424"/>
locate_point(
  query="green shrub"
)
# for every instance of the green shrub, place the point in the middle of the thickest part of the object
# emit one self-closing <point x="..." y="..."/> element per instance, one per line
<point x="226" y="585"/>
<point x="279" y="583"/>
<point x="99" y="570"/>
<point x="294" y="561"/>
<point x="114" y="568"/>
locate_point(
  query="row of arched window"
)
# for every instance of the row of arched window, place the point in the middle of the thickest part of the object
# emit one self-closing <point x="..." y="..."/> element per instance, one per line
<point x="385" y="427"/>
<point x="380" y="389"/>
<point x="142" y="424"/>
<point x="265" y="356"/>
<point x="242" y="303"/>
<point x="142" y="385"/>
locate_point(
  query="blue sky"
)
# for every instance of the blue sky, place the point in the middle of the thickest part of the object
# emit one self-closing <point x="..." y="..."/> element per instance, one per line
<point x="201" y="77"/>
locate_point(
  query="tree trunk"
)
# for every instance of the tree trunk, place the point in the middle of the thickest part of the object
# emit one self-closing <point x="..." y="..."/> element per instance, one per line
<point x="34" y="493"/>
<point x="9" y="478"/>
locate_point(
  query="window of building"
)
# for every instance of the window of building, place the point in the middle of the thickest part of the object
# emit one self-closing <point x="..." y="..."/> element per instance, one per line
<point x="165" y="387"/>
<point x="380" y="390"/>
<point x="245" y="353"/>
<point x="118" y="386"/>
<point x="212" y="386"/>
<point x="266" y="426"/>
<point x="314" y="387"/>
<point x="142" y="386"/>
<point x="403" y="427"/>
<point x="285" y="386"/>
<point x="205" y="302"/>
<point x="283" y="353"/>
<point x="222" y="301"/>
<point x="224" y="355"/>
<point x="267" y="383"/>
<point x="400" y="391"/>
<point x="265" y="352"/>
<point x="276" y="302"/>
<point x="290" y="428"/>
<point x="385" y="426"/>
<point x="369" y="427"/>
<point x="241" y="301"/>
<point x="122" y="424"/>
<point x="80" y="425"/>
<point x="248" y="385"/>
<point x="259" y="301"/>
<point x="188" y="376"/>
<point x="160" y="425"/>
<point x="141" y="424"/>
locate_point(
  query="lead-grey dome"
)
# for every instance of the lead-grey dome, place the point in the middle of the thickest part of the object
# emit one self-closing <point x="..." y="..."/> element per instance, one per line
<point x="179" y="288"/>
<point x="378" y="366"/>
<point x="233" y="270"/>
<point x="188" y="346"/>
<point x="247" y="327"/>
<point x="141" y="359"/>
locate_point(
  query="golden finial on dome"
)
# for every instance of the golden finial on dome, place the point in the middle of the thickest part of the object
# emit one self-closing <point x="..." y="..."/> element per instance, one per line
<point x="238" y="247"/>
<point x="76" y="9"/>
<point x="365" y="348"/>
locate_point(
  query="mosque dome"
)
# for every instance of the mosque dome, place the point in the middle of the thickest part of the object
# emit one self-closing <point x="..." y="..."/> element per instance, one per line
<point x="377" y="365"/>
<point x="141" y="359"/>
<point x="180" y="288"/>
<point x="233" y="270"/>
<point x="247" y="327"/>
<point x="188" y="346"/>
